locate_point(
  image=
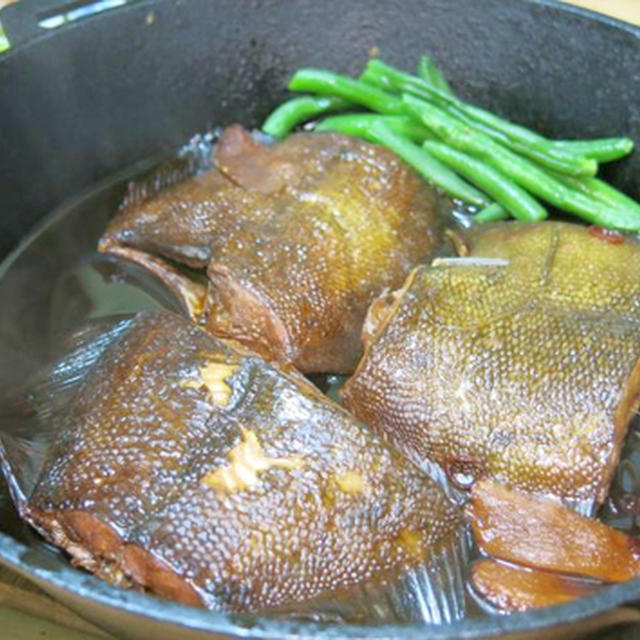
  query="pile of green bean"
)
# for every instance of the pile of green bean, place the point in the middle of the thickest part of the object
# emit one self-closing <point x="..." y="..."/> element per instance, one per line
<point x="501" y="168"/>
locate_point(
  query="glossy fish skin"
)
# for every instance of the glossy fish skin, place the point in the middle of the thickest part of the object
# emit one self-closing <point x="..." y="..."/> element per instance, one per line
<point x="208" y="476"/>
<point x="297" y="240"/>
<point x="526" y="374"/>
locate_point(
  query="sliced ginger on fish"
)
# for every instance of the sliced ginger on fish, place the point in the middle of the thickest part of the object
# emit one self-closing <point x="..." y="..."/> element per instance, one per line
<point x="213" y="377"/>
<point x="293" y="541"/>
<point x="247" y="459"/>
<point x="350" y="482"/>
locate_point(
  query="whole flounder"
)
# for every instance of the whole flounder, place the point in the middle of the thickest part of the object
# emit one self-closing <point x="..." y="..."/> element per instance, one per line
<point x="517" y="363"/>
<point x="297" y="239"/>
<point x="208" y="476"/>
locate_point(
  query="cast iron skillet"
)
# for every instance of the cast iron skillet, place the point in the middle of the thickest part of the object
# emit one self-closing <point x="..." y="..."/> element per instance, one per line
<point x="92" y="97"/>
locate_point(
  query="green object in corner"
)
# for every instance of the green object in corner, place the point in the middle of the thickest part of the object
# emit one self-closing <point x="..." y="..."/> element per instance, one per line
<point x="4" y="43"/>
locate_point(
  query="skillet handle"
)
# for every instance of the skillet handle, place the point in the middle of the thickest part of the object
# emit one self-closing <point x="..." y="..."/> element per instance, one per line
<point x="23" y="21"/>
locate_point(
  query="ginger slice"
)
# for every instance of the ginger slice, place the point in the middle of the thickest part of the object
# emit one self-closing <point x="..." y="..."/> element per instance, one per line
<point x="247" y="460"/>
<point x="350" y="482"/>
<point x="213" y="376"/>
<point x="542" y="534"/>
<point x="519" y="589"/>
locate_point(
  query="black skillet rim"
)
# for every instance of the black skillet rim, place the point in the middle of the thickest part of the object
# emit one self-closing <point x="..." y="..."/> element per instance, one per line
<point x="20" y="558"/>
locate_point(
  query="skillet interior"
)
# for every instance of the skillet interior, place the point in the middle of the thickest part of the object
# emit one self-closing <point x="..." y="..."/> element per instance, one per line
<point x="192" y="64"/>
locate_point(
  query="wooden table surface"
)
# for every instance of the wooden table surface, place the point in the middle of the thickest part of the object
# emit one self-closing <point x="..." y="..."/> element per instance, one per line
<point x="628" y="10"/>
<point x="29" y="614"/>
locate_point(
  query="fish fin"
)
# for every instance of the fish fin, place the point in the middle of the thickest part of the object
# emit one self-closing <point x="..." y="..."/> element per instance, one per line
<point x="191" y="159"/>
<point x="432" y="592"/>
<point x="33" y="411"/>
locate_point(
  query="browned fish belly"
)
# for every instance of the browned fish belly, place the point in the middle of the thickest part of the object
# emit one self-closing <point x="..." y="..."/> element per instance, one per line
<point x="208" y="476"/>
<point x="523" y="370"/>
<point x="297" y="240"/>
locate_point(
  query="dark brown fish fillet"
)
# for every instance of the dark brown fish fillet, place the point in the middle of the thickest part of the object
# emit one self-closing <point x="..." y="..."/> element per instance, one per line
<point x="523" y="370"/>
<point x="210" y="477"/>
<point x="297" y="240"/>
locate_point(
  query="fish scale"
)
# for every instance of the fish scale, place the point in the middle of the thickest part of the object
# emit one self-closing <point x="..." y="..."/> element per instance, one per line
<point x="297" y="239"/>
<point x="127" y="486"/>
<point x="525" y="373"/>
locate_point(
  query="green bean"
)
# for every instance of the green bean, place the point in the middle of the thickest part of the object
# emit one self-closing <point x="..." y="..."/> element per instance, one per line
<point x="406" y="83"/>
<point x="298" y="110"/>
<point x="554" y="159"/>
<point x="425" y="70"/>
<point x="429" y="72"/>
<point x="519" y="138"/>
<point x="520" y="170"/>
<point x="379" y="80"/>
<point x="600" y="149"/>
<point x="358" y="125"/>
<point x="514" y="131"/>
<point x="512" y="197"/>
<point x="334" y="84"/>
<point x="493" y="213"/>
<point x="379" y="74"/>
<point x="426" y="165"/>
<point x="600" y="190"/>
